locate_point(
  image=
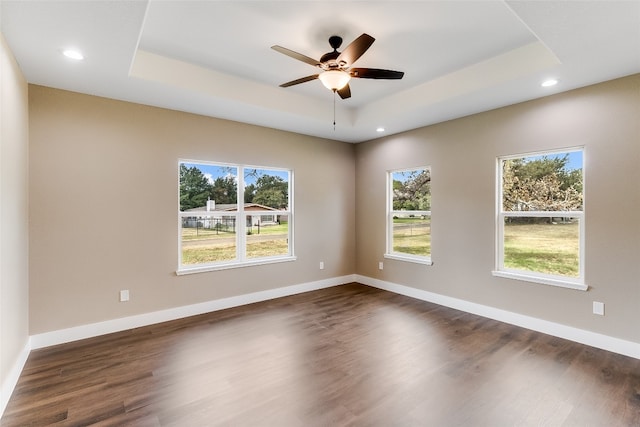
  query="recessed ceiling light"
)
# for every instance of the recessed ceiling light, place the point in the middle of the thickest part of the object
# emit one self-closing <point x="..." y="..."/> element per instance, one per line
<point x="380" y="129"/>
<point x="73" y="54"/>
<point x="550" y="82"/>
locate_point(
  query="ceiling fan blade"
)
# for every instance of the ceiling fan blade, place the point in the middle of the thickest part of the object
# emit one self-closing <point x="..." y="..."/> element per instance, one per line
<point x="296" y="55"/>
<point x="375" y="73"/>
<point x="298" y="81"/>
<point x="355" y="50"/>
<point x="345" y="92"/>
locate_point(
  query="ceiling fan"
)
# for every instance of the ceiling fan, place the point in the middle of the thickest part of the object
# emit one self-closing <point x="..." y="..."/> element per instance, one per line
<point x="337" y="66"/>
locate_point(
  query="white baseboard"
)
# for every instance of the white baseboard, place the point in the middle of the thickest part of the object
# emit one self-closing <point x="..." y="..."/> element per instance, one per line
<point x="46" y="339"/>
<point x="593" y="339"/>
<point x="116" y="325"/>
<point x="605" y="342"/>
<point x="10" y="381"/>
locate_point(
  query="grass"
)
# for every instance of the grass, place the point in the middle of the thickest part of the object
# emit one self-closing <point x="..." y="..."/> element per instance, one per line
<point x="543" y="248"/>
<point x="219" y="253"/>
<point x="189" y="234"/>
<point x="203" y="233"/>
<point x="409" y="220"/>
<point x="220" y="247"/>
<point x="267" y="248"/>
<point x="270" y="229"/>
<point x="208" y="254"/>
<point x="412" y="236"/>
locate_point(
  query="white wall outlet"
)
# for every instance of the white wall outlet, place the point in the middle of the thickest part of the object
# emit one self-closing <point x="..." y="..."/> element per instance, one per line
<point x="380" y="265"/>
<point x="124" y="295"/>
<point x="598" y="308"/>
<point x="321" y="265"/>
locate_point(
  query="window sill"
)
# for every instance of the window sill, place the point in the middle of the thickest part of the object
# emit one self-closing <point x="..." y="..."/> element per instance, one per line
<point x="416" y="260"/>
<point x="216" y="267"/>
<point x="542" y="280"/>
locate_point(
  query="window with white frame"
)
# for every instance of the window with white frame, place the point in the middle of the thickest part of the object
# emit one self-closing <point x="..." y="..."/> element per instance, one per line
<point x="540" y="221"/>
<point x="233" y="215"/>
<point x="409" y="215"/>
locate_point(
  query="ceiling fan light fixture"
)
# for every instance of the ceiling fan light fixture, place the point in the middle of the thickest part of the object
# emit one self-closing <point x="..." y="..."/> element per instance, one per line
<point x="334" y="79"/>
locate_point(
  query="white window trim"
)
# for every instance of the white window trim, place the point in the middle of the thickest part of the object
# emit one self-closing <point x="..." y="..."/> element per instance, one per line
<point x="241" y="230"/>
<point x="389" y="252"/>
<point x="538" y="278"/>
<point x="203" y="268"/>
<point x="409" y="258"/>
<point x="577" y="283"/>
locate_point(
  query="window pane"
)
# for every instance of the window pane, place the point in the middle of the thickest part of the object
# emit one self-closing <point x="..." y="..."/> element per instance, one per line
<point x="543" y="245"/>
<point x="266" y="188"/>
<point x="411" y="190"/>
<point x="205" y="187"/>
<point x="550" y="182"/>
<point x="208" y="238"/>
<point x="267" y="235"/>
<point x="412" y="234"/>
<point x="232" y="214"/>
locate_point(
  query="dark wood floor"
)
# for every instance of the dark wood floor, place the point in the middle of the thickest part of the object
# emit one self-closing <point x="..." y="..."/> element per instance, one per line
<point x="345" y="356"/>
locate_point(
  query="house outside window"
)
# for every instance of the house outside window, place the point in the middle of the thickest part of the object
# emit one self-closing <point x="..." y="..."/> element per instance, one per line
<point x="540" y="221"/>
<point x="233" y="216"/>
<point x="409" y="215"/>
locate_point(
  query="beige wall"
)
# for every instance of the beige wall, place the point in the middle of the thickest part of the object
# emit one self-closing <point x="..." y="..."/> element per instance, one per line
<point x="103" y="193"/>
<point x="14" y="216"/>
<point x="604" y="118"/>
<point x="104" y="201"/>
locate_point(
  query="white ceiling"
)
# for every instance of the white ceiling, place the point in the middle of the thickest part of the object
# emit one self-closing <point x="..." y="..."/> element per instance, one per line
<point x="214" y="58"/>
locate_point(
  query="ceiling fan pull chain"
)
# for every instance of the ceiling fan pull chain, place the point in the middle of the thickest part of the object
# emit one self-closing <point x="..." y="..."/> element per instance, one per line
<point x="334" y="110"/>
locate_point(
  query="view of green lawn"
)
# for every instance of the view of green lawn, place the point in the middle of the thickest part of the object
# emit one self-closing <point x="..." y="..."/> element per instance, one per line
<point x="412" y="236"/>
<point x="210" y="245"/>
<point x="199" y="233"/>
<point x="551" y="248"/>
<point x="267" y="248"/>
<point x="209" y="253"/>
<point x="545" y="248"/>
<point x="282" y="228"/>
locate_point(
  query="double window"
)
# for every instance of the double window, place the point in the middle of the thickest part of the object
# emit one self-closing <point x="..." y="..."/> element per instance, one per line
<point x="409" y="215"/>
<point x="233" y="215"/>
<point x="540" y="221"/>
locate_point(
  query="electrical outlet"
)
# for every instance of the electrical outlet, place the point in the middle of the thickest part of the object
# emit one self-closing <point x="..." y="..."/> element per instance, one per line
<point x="321" y="265"/>
<point x="124" y="295"/>
<point x="380" y="265"/>
<point x="598" y="308"/>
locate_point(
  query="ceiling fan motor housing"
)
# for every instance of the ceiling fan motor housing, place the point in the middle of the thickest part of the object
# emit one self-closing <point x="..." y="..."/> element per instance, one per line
<point x="328" y="60"/>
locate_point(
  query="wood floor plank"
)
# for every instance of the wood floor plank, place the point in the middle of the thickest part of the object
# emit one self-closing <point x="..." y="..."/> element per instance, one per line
<point x="345" y="356"/>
